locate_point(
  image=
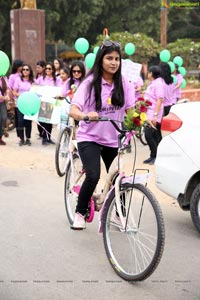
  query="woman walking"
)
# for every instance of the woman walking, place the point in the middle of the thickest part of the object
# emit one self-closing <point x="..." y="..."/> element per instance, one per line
<point x="169" y="87"/>
<point x="16" y="72"/>
<point x="21" y="85"/>
<point x="48" y="79"/>
<point x="4" y="96"/>
<point x="155" y="94"/>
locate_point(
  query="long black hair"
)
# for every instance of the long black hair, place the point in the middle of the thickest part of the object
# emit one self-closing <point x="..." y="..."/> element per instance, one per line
<point x="155" y="70"/>
<point x="16" y="64"/>
<point x="117" y="98"/>
<point x="3" y="87"/>
<point x="165" y="72"/>
<point x="42" y="64"/>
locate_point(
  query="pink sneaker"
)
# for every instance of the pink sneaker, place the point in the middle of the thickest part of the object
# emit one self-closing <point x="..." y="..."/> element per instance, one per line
<point x="79" y="222"/>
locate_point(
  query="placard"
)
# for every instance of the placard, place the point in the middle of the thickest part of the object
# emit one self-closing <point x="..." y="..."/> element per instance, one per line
<point x="131" y="70"/>
<point x="51" y="108"/>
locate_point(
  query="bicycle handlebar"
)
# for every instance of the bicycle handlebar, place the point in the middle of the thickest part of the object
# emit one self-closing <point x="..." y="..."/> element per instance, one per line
<point x="63" y="98"/>
<point x="103" y="119"/>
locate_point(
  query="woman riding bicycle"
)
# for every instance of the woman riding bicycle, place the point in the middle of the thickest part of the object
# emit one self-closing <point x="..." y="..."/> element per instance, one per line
<point x="104" y="92"/>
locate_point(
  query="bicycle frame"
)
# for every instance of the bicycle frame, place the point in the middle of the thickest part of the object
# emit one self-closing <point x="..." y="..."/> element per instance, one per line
<point x="113" y="179"/>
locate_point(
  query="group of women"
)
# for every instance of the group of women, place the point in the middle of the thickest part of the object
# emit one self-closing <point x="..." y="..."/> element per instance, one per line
<point x="103" y="92"/>
<point x="21" y="79"/>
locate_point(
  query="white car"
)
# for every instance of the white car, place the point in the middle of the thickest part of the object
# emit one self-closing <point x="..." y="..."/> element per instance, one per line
<point x="178" y="157"/>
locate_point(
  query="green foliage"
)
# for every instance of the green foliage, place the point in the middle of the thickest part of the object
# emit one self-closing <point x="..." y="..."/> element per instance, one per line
<point x="146" y="47"/>
<point x="67" y="20"/>
<point x="187" y="49"/>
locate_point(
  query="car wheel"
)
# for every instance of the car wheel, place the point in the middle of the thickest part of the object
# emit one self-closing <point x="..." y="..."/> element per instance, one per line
<point x="195" y="207"/>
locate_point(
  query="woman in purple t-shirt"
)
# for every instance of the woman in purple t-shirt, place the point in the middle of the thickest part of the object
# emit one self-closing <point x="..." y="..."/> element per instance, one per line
<point x="4" y="96"/>
<point x="103" y="93"/>
<point x="48" y="79"/>
<point x="155" y="94"/>
<point x="179" y="78"/>
<point x="16" y="72"/>
<point x="169" y="87"/>
<point x="76" y="76"/>
<point x="21" y="85"/>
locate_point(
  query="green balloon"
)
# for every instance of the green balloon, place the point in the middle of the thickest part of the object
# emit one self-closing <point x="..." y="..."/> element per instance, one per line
<point x="183" y="84"/>
<point x="81" y="45"/>
<point x="182" y="71"/>
<point x="89" y="60"/>
<point x="165" y="55"/>
<point x="178" y="61"/>
<point x="96" y="49"/>
<point x="4" y="63"/>
<point x="172" y="66"/>
<point x="129" y="49"/>
<point x="28" y="103"/>
<point x="174" y="79"/>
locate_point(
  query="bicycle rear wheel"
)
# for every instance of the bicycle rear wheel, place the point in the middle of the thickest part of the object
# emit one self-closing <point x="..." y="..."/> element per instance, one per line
<point x="73" y="181"/>
<point x="142" y="136"/>
<point x="135" y="250"/>
<point x="62" y="151"/>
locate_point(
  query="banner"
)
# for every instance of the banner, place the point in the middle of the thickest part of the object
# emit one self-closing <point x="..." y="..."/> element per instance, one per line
<point x="131" y="70"/>
<point x="51" y="107"/>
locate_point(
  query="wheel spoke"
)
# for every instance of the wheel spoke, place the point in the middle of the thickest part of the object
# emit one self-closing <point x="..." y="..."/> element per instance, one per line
<point x="134" y="251"/>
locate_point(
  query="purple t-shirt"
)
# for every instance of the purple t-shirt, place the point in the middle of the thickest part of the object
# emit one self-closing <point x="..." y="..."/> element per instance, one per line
<point x="169" y="94"/>
<point x="153" y="92"/>
<point x="179" y="78"/>
<point x="22" y="86"/>
<point x="12" y="79"/>
<point x="46" y="81"/>
<point x="102" y="133"/>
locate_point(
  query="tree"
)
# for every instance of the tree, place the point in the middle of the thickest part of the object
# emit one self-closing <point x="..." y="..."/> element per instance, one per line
<point x="187" y="49"/>
<point x="66" y="20"/>
<point x="146" y="47"/>
<point x="5" y="32"/>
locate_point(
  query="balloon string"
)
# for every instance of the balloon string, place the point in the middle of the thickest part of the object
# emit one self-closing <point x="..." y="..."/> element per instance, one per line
<point x="47" y="133"/>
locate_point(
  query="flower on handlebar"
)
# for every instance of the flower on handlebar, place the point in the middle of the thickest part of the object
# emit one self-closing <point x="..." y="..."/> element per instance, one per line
<point x="136" y="117"/>
<point x="70" y="93"/>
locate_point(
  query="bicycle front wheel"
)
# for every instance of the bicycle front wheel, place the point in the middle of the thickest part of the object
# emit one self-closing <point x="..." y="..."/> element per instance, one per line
<point x="142" y="136"/>
<point x="73" y="181"/>
<point x="62" y="151"/>
<point x="134" y="249"/>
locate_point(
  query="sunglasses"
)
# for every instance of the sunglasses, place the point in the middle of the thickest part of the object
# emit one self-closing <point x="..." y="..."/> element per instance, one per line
<point x="76" y="71"/>
<point x="25" y="69"/>
<point x="48" y="68"/>
<point x="110" y="43"/>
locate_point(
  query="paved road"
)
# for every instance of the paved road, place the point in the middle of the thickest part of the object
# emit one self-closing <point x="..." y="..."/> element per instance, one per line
<point x="41" y="258"/>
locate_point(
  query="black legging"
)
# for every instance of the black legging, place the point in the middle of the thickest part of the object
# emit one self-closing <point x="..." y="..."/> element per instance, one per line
<point x="46" y="130"/>
<point x="153" y="138"/>
<point x="90" y="154"/>
<point x="23" y="124"/>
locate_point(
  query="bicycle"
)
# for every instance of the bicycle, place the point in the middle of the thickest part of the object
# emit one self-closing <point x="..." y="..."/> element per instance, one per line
<point x="130" y="217"/>
<point x="141" y="136"/>
<point x="62" y="144"/>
